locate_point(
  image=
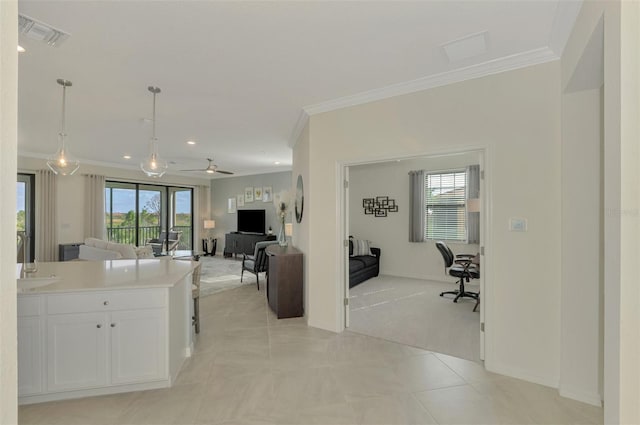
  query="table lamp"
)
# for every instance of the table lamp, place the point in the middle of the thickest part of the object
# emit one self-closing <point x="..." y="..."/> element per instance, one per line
<point x="208" y="245"/>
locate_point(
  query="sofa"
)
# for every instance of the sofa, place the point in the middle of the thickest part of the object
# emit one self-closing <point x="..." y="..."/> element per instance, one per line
<point x="363" y="267"/>
<point x="100" y="250"/>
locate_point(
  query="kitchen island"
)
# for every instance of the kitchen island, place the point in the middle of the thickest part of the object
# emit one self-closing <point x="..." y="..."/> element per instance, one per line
<point x="100" y="327"/>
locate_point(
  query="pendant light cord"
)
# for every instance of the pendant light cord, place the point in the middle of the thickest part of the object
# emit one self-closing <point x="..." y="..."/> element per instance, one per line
<point x="153" y="136"/>
<point x="64" y="103"/>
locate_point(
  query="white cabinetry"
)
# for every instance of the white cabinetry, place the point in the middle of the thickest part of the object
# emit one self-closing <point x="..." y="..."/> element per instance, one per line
<point x="30" y="345"/>
<point x="76" y="351"/>
<point x="97" y="342"/>
<point x="138" y="346"/>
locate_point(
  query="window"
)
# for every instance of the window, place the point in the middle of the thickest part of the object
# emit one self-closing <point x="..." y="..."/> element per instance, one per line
<point x="136" y="212"/>
<point x="445" y="206"/>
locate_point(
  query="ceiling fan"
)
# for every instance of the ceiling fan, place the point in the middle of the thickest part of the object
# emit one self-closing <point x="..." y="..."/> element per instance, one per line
<point x="211" y="168"/>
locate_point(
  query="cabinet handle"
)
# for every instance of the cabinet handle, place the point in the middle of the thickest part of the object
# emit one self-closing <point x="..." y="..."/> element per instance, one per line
<point x="98" y="326"/>
<point x="106" y="303"/>
<point x="113" y="325"/>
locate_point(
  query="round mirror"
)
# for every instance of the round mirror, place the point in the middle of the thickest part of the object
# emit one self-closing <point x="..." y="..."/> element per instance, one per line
<point x="299" y="204"/>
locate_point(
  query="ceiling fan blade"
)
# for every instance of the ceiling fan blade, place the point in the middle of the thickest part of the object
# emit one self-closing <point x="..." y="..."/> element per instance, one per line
<point x="223" y="172"/>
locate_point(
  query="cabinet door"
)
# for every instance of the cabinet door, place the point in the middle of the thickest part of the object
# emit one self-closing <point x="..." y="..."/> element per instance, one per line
<point x="30" y="333"/>
<point x="76" y="351"/>
<point x="138" y="346"/>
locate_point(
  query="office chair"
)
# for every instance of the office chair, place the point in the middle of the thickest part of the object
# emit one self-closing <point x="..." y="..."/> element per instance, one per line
<point x="460" y="266"/>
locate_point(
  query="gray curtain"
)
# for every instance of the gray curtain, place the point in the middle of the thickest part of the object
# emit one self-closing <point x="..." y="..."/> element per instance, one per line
<point x="46" y="216"/>
<point x="94" y="223"/>
<point x="416" y="206"/>
<point x="473" y="192"/>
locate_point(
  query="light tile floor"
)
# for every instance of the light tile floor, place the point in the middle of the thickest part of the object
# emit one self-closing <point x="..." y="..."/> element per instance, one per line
<point x="250" y="368"/>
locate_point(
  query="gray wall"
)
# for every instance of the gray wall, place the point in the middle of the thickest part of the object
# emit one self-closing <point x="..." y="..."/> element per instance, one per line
<point x="223" y="189"/>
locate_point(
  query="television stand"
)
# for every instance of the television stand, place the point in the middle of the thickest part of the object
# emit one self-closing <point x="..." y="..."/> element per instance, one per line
<point x="243" y="243"/>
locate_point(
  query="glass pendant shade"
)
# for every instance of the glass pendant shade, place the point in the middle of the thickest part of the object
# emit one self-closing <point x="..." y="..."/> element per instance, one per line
<point x="62" y="162"/>
<point x="153" y="165"/>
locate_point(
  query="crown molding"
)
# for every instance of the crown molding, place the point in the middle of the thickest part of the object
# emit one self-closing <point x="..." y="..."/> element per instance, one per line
<point x="507" y="63"/>
<point x="563" y="22"/>
<point x="302" y="121"/>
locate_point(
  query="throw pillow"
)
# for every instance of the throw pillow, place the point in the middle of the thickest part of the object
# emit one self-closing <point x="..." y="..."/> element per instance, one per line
<point x="361" y="247"/>
<point x="144" y="252"/>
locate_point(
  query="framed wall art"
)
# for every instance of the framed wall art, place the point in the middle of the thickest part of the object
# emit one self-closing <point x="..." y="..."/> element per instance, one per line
<point x="248" y="194"/>
<point x="267" y="194"/>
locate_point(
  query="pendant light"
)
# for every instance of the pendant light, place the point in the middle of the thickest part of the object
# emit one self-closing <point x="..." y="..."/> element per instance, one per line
<point x="153" y="165"/>
<point x="62" y="162"/>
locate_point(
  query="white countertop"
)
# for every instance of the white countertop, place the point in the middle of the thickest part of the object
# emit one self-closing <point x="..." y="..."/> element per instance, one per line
<point x="105" y="275"/>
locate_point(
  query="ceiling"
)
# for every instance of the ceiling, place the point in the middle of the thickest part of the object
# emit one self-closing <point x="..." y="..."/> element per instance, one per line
<point x="239" y="78"/>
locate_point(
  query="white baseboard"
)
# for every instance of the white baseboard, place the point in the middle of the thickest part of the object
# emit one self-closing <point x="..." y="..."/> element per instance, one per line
<point x="514" y="372"/>
<point x="588" y="397"/>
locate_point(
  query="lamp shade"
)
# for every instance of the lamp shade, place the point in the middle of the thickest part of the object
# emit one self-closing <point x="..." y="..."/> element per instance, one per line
<point x="209" y="224"/>
<point x="288" y="229"/>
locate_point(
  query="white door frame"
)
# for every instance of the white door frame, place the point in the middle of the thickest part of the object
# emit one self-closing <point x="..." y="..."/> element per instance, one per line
<point x="486" y="263"/>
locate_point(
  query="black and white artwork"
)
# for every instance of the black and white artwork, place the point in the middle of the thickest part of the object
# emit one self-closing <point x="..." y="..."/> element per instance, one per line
<point x="379" y="206"/>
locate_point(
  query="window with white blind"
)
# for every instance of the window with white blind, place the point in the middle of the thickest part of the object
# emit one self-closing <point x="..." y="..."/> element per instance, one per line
<point x="445" y="205"/>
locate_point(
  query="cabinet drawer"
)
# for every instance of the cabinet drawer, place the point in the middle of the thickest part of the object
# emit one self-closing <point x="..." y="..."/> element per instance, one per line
<point x="29" y="305"/>
<point x="106" y="301"/>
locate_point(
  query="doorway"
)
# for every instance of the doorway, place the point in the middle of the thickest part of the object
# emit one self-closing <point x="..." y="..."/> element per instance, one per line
<point x="402" y="303"/>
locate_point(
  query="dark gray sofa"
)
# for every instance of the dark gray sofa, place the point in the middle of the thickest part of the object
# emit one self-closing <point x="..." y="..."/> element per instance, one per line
<point x="363" y="267"/>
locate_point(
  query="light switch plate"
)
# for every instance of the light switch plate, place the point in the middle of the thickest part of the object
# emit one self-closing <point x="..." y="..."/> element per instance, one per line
<point x="518" y="224"/>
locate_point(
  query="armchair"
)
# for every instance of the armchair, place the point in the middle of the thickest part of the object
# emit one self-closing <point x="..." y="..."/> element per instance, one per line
<point x="170" y="241"/>
<point x="461" y="266"/>
<point x="258" y="262"/>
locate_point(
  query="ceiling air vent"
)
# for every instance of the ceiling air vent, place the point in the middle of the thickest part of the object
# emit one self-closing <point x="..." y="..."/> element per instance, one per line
<point x="40" y="31"/>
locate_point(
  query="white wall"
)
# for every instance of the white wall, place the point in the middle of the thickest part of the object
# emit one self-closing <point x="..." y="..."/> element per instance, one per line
<point x="582" y="253"/>
<point x="621" y="161"/>
<point x="301" y="230"/>
<point x="516" y="116"/>
<point x="70" y="202"/>
<point x="230" y="187"/>
<point x="399" y="257"/>
<point x="8" y="149"/>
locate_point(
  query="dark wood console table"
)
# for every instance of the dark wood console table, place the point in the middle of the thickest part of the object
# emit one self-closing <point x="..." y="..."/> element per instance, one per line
<point x="243" y="243"/>
<point x="284" y="281"/>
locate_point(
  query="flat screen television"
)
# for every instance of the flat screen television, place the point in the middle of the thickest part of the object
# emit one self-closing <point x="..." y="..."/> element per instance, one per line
<point x="251" y="221"/>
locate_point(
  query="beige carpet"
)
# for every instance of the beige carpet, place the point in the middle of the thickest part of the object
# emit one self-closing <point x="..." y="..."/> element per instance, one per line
<point x="411" y="311"/>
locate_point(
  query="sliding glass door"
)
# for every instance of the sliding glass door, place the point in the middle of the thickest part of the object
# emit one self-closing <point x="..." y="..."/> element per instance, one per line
<point x="136" y="213"/>
<point x="151" y="212"/>
<point x="181" y="215"/>
<point x="25" y="212"/>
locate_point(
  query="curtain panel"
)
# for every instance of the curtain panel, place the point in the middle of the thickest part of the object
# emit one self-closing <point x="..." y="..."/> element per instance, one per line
<point x="416" y="206"/>
<point x="46" y="216"/>
<point x="94" y="222"/>
<point x="202" y="211"/>
<point x="473" y="192"/>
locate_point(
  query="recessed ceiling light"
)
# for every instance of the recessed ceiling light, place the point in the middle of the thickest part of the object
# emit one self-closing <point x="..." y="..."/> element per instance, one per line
<point x="127" y="157"/>
<point x="277" y="163"/>
<point x="191" y="142"/>
<point x="21" y="49"/>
